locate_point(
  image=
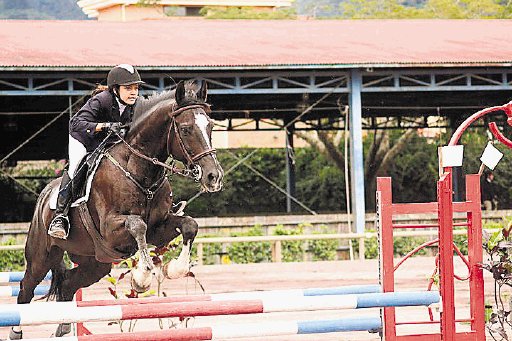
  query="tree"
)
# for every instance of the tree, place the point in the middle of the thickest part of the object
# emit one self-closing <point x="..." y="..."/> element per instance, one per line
<point x="377" y="9"/>
<point x="41" y="9"/>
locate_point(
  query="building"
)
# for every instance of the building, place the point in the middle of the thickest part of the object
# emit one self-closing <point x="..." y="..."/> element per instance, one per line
<point x="131" y="10"/>
<point x="258" y="71"/>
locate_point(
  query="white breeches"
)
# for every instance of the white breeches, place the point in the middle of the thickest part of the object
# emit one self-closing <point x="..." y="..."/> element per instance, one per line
<point x="77" y="152"/>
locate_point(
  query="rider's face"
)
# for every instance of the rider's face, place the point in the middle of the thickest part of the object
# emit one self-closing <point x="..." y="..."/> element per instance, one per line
<point x="129" y="93"/>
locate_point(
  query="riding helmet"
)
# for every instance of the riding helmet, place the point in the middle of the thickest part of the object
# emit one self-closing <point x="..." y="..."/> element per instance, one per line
<point x="123" y="74"/>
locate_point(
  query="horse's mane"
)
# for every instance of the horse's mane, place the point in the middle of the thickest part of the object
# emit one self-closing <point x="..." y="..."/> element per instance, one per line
<point x="145" y="106"/>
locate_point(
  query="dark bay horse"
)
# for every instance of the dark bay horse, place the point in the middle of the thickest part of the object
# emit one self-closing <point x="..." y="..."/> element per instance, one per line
<point x="130" y="200"/>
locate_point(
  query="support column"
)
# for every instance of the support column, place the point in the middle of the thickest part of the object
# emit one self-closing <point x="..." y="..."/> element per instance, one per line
<point x="290" y="170"/>
<point x="356" y="151"/>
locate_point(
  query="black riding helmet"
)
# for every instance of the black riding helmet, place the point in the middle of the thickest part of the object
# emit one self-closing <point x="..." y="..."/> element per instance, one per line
<point x="123" y="74"/>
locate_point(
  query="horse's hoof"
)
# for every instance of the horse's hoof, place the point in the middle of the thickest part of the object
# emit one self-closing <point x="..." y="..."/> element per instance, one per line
<point x="14" y="335"/>
<point x="141" y="281"/>
<point x="175" y="270"/>
<point x="139" y="288"/>
<point x="63" y="329"/>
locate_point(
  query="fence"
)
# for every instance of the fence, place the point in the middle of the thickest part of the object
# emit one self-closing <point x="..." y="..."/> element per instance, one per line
<point x="276" y="241"/>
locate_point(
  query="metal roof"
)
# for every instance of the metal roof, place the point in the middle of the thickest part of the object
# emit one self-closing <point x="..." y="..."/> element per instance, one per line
<point x="197" y="43"/>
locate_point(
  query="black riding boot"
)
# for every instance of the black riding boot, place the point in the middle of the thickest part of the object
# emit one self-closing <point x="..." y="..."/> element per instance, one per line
<point x="59" y="227"/>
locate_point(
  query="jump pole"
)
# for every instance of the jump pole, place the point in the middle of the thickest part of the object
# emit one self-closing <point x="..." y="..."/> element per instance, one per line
<point x="17" y="276"/>
<point x="8" y="291"/>
<point x="241" y="295"/>
<point x="67" y="312"/>
<point x="238" y="330"/>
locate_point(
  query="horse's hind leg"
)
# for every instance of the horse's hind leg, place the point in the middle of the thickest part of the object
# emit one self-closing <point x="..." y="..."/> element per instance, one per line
<point x="88" y="272"/>
<point x="39" y="262"/>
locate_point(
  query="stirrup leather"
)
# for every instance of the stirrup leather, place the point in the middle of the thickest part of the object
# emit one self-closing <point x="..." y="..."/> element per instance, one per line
<point x="56" y="229"/>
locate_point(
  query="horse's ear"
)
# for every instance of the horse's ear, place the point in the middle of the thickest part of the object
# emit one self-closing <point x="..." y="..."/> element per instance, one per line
<point x="180" y="92"/>
<point x="203" y="91"/>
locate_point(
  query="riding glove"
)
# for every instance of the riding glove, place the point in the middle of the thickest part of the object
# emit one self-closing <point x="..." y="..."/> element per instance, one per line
<point x="114" y="127"/>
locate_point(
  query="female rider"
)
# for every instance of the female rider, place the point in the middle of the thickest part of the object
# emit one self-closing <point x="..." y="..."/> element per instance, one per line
<point x="107" y="111"/>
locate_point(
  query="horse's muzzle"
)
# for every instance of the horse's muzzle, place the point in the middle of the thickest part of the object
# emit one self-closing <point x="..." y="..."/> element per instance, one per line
<point x="212" y="179"/>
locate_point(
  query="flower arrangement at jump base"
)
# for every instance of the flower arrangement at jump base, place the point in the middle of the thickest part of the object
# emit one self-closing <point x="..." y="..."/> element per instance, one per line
<point x="158" y="256"/>
<point x="498" y="246"/>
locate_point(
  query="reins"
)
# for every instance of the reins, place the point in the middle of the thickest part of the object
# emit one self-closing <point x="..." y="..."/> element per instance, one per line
<point x="192" y="171"/>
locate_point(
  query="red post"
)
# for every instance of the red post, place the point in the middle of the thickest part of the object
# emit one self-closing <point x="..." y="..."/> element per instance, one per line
<point x="81" y="330"/>
<point x="475" y="255"/>
<point x="386" y="262"/>
<point x="446" y="280"/>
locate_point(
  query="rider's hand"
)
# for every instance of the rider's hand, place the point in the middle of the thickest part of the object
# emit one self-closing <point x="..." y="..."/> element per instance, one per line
<point x="114" y="127"/>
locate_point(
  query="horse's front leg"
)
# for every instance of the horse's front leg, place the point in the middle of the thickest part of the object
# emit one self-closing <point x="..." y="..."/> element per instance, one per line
<point x="141" y="275"/>
<point x="173" y="227"/>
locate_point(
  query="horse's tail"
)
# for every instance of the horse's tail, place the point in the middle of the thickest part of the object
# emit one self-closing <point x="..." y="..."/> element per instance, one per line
<point x="58" y="276"/>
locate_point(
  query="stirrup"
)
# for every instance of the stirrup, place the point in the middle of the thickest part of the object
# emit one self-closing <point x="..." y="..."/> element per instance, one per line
<point x="57" y="231"/>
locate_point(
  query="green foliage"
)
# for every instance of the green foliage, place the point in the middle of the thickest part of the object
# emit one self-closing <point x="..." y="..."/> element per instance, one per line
<point x="475" y="140"/>
<point x="403" y="245"/>
<point x="371" y="247"/>
<point x="377" y="9"/>
<point x="244" y="191"/>
<point x="319" y="183"/>
<point x="414" y="171"/>
<point x="146" y="3"/>
<point x="323" y="249"/>
<point x="461" y="241"/>
<point x="217" y="12"/>
<point x="19" y="197"/>
<point x="292" y="251"/>
<point x="250" y="252"/>
<point x="41" y="9"/>
<point x="411" y="9"/>
<point x="12" y="260"/>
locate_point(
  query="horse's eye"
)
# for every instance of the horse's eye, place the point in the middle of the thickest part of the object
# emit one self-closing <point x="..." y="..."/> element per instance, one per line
<point x="186" y="130"/>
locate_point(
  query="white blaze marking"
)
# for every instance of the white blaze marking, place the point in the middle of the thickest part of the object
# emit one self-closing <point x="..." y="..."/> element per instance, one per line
<point x="202" y="123"/>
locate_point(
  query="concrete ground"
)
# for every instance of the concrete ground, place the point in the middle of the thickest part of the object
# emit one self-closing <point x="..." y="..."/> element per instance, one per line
<point x="270" y="276"/>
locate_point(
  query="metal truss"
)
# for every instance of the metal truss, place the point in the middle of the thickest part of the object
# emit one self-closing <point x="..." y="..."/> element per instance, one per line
<point x="43" y="84"/>
<point x="58" y="83"/>
<point x="437" y="80"/>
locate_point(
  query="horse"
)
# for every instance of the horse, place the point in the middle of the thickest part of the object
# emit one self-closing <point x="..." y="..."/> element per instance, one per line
<point x="130" y="201"/>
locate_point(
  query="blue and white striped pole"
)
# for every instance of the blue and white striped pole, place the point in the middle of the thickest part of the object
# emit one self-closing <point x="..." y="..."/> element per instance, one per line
<point x="67" y="312"/>
<point x="8" y="291"/>
<point x="17" y="276"/>
<point x="240" y="330"/>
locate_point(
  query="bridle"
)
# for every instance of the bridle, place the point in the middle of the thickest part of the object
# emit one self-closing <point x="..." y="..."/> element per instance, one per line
<point x="193" y="170"/>
<point x="191" y="159"/>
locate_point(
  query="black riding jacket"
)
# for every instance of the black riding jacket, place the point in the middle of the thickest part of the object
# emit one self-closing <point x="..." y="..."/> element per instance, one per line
<point x="101" y="108"/>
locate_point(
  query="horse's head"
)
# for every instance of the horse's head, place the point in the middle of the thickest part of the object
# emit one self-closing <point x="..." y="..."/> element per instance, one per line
<point x="190" y="135"/>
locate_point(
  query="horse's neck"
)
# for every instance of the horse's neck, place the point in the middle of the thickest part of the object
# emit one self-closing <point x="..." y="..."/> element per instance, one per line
<point x="150" y="136"/>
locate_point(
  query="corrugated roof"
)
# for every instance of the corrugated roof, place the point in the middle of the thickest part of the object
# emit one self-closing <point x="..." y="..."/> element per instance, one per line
<point x="246" y="43"/>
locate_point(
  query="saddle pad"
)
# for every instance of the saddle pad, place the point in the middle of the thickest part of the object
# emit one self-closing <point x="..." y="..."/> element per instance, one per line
<point x="55" y="190"/>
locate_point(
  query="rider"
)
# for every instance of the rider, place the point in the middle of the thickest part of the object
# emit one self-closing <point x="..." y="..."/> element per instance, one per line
<point x="107" y="111"/>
